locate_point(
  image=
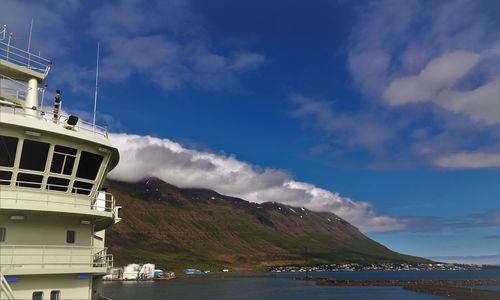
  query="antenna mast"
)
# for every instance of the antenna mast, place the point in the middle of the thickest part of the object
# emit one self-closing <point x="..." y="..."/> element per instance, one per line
<point x="29" y="42"/>
<point x="96" y="83"/>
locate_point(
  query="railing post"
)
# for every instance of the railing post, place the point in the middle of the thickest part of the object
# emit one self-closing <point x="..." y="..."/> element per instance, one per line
<point x="43" y="257"/>
<point x="11" y="257"/>
<point x="70" y="257"/>
<point x="8" y="46"/>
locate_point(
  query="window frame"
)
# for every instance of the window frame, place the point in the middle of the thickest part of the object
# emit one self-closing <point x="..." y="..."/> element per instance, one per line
<point x="38" y="295"/>
<point x="21" y="161"/>
<point x="15" y="150"/>
<point x="55" y="148"/>
<point x="57" y="294"/>
<point x="70" y="236"/>
<point x="65" y="156"/>
<point x="83" y="153"/>
<point x="53" y="187"/>
<point x="6" y="182"/>
<point x="3" y="234"/>
<point x="11" y="169"/>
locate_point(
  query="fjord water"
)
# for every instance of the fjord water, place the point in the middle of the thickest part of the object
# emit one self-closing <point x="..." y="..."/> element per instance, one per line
<point x="281" y="286"/>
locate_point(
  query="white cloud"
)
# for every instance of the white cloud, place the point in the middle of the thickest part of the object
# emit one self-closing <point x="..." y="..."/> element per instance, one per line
<point x="440" y="73"/>
<point x="436" y="83"/>
<point x="143" y="156"/>
<point x="482" y="104"/>
<point x="442" y="56"/>
<point x="469" y="160"/>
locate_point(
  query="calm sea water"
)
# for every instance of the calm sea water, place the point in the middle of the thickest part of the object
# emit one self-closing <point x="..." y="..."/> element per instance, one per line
<point x="281" y="286"/>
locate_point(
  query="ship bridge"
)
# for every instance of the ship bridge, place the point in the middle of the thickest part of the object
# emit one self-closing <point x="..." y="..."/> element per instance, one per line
<point x="48" y="161"/>
<point x="53" y="209"/>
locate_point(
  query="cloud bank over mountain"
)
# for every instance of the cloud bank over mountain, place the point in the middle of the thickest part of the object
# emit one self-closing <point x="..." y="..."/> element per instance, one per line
<point x="147" y="156"/>
<point x="143" y="156"/>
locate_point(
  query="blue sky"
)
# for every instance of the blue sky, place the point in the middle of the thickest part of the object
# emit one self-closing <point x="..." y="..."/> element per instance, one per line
<point x="384" y="112"/>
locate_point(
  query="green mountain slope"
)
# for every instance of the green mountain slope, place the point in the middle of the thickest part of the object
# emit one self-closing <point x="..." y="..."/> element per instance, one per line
<point x="180" y="228"/>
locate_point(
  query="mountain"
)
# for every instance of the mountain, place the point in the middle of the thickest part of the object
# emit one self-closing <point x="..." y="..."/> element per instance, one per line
<point x="177" y="228"/>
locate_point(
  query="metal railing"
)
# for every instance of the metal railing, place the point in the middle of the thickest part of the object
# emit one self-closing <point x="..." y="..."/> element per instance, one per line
<point x="13" y="88"/>
<point x="18" y="257"/>
<point x="5" y="288"/>
<point x="102" y="258"/>
<point x="54" y="118"/>
<point x="48" y="197"/>
<point x="24" y="58"/>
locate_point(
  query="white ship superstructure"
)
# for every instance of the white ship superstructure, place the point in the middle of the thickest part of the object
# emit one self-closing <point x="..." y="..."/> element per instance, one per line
<point x="52" y="211"/>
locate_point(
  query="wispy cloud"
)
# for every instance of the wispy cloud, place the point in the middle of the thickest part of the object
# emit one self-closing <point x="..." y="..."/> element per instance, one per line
<point x="180" y="55"/>
<point x="428" y="72"/>
<point x="163" y="41"/>
<point x="440" y="73"/>
<point x="468" y="160"/>
<point x="478" y="260"/>
<point x="487" y="219"/>
<point x="50" y="34"/>
<point x="437" y="83"/>
<point x="143" y="156"/>
<point x="353" y="129"/>
<point x="490" y="218"/>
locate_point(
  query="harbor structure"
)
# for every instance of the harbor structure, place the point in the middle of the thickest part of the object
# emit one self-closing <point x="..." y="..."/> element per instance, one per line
<point x="53" y="211"/>
<point x="139" y="272"/>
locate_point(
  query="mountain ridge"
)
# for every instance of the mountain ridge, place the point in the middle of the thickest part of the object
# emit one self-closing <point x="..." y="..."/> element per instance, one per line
<point x="177" y="228"/>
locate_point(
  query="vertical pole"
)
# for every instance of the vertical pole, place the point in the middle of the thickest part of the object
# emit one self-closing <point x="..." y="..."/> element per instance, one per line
<point x="29" y="43"/>
<point x="8" y="45"/>
<point x="96" y="85"/>
<point x="43" y="97"/>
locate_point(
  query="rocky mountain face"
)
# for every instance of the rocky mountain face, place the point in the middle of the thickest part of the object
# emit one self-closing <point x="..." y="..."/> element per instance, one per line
<point x="179" y="228"/>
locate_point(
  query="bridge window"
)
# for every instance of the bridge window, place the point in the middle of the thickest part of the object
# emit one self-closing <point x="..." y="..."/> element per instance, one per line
<point x="8" y="148"/>
<point x="37" y="295"/>
<point x="34" y="155"/>
<point x="3" y="231"/>
<point x="29" y="180"/>
<point x="57" y="184"/>
<point x="83" y="188"/>
<point x="5" y="177"/>
<point x="55" y="295"/>
<point x="89" y="165"/>
<point x="63" y="160"/>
